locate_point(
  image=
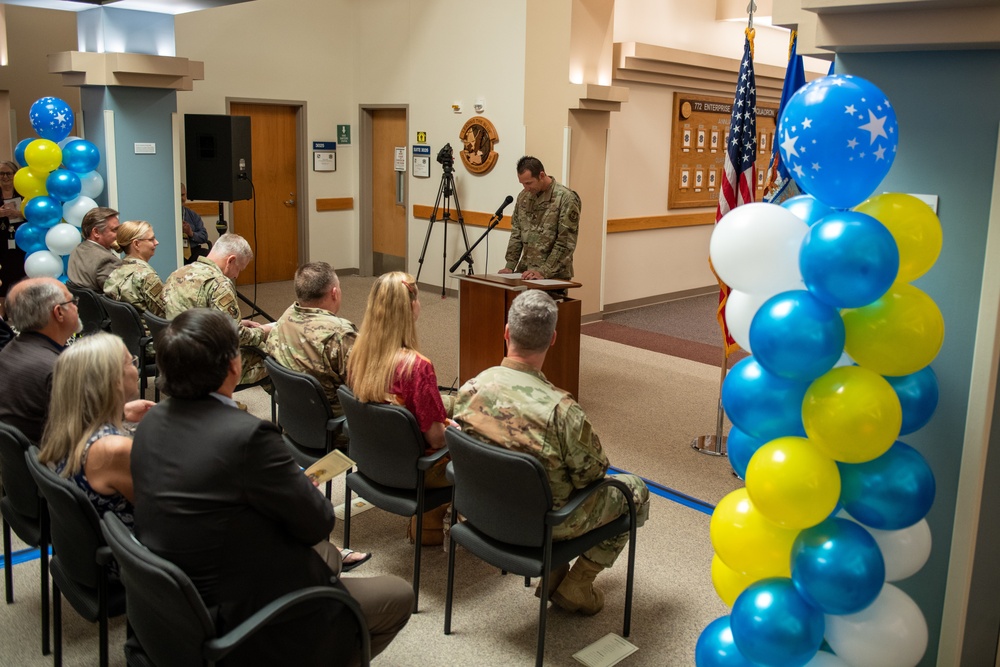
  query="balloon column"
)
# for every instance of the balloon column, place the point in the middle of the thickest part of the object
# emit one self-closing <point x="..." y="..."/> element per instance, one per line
<point x="58" y="183"/>
<point x="834" y="503"/>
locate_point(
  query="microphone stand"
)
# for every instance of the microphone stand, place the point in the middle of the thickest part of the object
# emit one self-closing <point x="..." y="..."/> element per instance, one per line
<point x="467" y="257"/>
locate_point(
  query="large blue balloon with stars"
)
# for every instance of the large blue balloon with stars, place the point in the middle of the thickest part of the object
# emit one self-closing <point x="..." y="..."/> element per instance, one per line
<point x="838" y="138"/>
<point x="51" y="118"/>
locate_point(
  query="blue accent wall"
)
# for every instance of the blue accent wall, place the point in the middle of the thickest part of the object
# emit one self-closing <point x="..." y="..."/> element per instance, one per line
<point x="948" y="107"/>
<point x="145" y="182"/>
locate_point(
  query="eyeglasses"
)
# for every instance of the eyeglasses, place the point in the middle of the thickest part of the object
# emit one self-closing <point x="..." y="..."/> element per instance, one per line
<point x="6" y="174"/>
<point x="151" y="238"/>
<point x="75" y="301"/>
<point x="135" y="361"/>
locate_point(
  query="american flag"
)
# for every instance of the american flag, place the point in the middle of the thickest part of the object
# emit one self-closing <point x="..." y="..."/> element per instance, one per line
<point x="739" y="180"/>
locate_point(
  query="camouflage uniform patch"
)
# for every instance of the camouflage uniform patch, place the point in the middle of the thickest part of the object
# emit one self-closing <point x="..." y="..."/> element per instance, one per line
<point x="544" y="227"/>
<point x="317" y="342"/>
<point x="136" y="282"/>
<point x="514" y="406"/>
<point x="203" y="285"/>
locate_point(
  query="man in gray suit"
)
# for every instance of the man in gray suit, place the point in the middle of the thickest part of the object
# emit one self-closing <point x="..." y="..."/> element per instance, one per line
<point x="95" y="258"/>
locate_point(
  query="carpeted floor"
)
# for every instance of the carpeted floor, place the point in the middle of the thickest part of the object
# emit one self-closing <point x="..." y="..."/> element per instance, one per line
<point x="646" y="404"/>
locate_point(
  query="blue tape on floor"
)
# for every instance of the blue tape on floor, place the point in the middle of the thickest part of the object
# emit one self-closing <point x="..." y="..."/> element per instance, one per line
<point x="671" y="494"/>
<point x="22" y="556"/>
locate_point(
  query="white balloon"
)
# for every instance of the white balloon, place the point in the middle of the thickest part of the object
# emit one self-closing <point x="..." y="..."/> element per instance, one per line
<point x="824" y="659"/>
<point x="62" y="238"/>
<point x="755" y="248"/>
<point x="91" y="184"/>
<point x="891" y="632"/>
<point x="43" y="263"/>
<point x="75" y="209"/>
<point x="904" y="551"/>
<point x="62" y="144"/>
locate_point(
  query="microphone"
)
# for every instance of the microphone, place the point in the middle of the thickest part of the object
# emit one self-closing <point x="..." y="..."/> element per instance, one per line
<point x="505" y="204"/>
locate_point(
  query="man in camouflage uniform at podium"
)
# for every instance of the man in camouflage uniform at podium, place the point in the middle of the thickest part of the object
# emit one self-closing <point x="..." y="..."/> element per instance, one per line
<point x="208" y="283"/>
<point x="544" y="225"/>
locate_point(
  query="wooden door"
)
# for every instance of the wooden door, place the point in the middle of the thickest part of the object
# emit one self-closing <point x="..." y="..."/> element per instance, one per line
<point x="388" y="192"/>
<point x="274" y="149"/>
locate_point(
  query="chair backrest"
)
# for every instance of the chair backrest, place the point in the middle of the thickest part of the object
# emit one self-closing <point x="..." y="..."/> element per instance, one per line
<point x="91" y="311"/>
<point x="125" y="322"/>
<point x="73" y="522"/>
<point x="165" y="611"/>
<point x="385" y="441"/>
<point x="303" y="409"/>
<point x="18" y="484"/>
<point x="502" y="493"/>
<point x="155" y="323"/>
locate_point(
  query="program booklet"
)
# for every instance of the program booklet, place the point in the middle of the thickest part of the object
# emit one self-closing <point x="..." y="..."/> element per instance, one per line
<point x="329" y="467"/>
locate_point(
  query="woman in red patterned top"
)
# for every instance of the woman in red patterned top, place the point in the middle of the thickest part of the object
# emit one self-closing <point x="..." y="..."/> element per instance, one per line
<point x="385" y="365"/>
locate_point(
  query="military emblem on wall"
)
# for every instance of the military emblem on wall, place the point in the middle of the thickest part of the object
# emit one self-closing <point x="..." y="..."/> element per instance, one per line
<point x="478" y="137"/>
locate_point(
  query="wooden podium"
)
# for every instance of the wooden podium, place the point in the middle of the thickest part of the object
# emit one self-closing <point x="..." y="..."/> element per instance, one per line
<point x="483" y="304"/>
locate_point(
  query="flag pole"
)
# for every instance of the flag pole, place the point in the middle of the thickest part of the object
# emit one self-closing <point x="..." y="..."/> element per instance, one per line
<point x="739" y="191"/>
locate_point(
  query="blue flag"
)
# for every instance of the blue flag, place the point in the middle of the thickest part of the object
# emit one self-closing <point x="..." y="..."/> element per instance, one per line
<point x="780" y="186"/>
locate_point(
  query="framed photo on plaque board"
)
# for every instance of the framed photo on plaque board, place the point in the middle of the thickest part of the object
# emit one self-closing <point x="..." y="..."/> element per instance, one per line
<point x="698" y="148"/>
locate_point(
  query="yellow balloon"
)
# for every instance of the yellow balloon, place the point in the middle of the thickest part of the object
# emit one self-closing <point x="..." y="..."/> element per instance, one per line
<point x="793" y="483"/>
<point x="729" y="583"/>
<point x="897" y="334"/>
<point x="851" y="414"/>
<point x="43" y="155"/>
<point x="915" y="227"/>
<point x="747" y="542"/>
<point x="30" y="182"/>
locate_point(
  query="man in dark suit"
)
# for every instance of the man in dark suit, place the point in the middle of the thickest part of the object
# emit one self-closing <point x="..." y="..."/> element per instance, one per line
<point x="93" y="260"/>
<point x="217" y="494"/>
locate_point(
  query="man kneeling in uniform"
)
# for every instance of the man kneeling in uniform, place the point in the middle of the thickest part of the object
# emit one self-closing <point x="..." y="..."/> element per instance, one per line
<point x="514" y="406"/>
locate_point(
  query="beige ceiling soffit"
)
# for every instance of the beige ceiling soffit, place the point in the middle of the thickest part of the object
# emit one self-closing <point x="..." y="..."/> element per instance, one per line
<point x="135" y="70"/>
<point x="937" y="29"/>
<point x="690" y="71"/>
<point x="858" y="6"/>
<point x="594" y="97"/>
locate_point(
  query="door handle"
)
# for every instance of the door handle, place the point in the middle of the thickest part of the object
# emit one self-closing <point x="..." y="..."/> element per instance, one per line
<point x="290" y="202"/>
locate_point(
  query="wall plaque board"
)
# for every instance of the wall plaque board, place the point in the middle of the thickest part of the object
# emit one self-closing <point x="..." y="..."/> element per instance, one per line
<point x="698" y="148"/>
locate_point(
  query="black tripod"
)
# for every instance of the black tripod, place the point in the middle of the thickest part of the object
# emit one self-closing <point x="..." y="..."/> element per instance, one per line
<point x="446" y="190"/>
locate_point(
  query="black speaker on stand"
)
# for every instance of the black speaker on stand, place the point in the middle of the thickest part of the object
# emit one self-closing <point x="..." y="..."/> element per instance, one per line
<point x="218" y="159"/>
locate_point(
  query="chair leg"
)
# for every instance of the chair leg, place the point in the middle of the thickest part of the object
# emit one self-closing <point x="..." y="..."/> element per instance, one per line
<point x="543" y="610"/>
<point x="347" y="516"/>
<point x="56" y="626"/>
<point x="43" y="549"/>
<point x="451" y="580"/>
<point x="8" y="570"/>
<point x="102" y="615"/>
<point x="630" y="580"/>
<point x="418" y="538"/>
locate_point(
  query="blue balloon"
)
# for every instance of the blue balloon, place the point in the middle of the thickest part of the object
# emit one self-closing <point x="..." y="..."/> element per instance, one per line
<point x="848" y="259"/>
<point x="30" y="237"/>
<point x="81" y="156"/>
<point x="837" y="566"/>
<point x="892" y="492"/>
<point x="19" y="151"/>
<point x="65" y="259"/>
<point x="918" y="396"/>
<point x="763" y="405"/>
<point x="740" y="448"/>
<point x="807" y="207"/>
<point x="63" y="184"/>
<point x="43" y="211"/>
<point x="51" y="118"/>
<point x="796" y="336"/>
<point x="838" y="137"/>
<point x="715" y="647"/>
<point x="773" y="624"/>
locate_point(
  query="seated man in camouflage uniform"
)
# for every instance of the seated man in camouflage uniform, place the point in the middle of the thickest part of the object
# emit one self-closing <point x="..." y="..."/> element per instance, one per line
<point x="208" y="283"/>
<point x="514" y="406"/>
<point x="309" y="337"/>
<point x="543" y="227"/>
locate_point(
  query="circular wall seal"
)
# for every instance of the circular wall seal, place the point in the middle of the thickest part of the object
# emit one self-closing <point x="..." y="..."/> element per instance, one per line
<point x="478" y="136"/>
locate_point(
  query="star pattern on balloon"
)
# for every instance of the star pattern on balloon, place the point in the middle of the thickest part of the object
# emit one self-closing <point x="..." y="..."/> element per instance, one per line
<point x="51" y="118"/>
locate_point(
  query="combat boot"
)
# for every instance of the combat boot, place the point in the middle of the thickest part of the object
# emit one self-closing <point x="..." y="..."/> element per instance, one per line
<point x="577" y="592"/>
<point x="556" y="577"/>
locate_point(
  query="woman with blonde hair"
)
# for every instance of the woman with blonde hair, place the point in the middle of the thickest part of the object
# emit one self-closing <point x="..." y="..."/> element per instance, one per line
<point x="84" y="438"/>
<point x="385" y="366"/>
<point x="135" y="281"/>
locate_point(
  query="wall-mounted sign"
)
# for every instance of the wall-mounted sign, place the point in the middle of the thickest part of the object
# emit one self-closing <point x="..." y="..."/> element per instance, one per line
<point x="478" y="136"/>
<point x="344" y="135"/>
<point x="324" y="156"/>
<point x="421" y="137"/>
<point x="421" y="160"/>
<point x="399" y="159"/>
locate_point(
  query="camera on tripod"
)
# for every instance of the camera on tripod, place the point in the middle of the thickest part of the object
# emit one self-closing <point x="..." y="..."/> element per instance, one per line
<point x="446" y="158"/>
